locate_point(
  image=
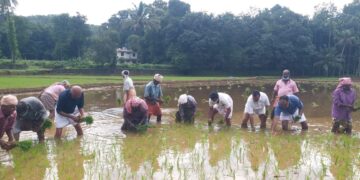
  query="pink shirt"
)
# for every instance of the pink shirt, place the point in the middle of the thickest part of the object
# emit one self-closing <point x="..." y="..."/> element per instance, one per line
<point x="283" y="88"/>
<point x="55" y="90"/>
<point x="6" y="123"/>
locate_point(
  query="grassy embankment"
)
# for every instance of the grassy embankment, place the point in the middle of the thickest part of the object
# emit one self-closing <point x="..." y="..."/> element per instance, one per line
<point x="19" y="82"/>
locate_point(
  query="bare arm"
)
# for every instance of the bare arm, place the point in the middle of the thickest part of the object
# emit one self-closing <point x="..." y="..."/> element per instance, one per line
<point x="10" y="135"/>
<point x="211" y="115"/>
<point x="81" y="111"/>
<point x="275" y="93"/>
<point x="211" y="112"/>
<point x="274" y="124"/>
<point x="301" y="111"/>
<point x="228" y="111"/>
<point x="252" y="122"/>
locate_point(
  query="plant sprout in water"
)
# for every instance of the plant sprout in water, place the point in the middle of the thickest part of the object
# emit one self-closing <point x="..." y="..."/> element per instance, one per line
<point x="167" y="99"/>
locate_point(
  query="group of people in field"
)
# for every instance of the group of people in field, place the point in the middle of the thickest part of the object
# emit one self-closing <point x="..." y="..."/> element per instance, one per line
<point x="285" y="106"/>
<point x="59" y="101"/>
<point x="65" y="104"/>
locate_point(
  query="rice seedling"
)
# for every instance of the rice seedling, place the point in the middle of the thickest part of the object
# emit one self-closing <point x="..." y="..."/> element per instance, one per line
<point x="24" y="145"/>
<point x="167" y="99"/>
<point x="46" y="125"/>
<point x="88" y="120"/>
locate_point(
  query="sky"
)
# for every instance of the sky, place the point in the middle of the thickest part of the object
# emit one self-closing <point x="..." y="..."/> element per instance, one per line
<point x="99" y="11"/>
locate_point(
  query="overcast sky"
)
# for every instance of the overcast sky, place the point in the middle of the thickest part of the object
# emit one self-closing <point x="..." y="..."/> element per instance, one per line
<point x="99" y="11"/>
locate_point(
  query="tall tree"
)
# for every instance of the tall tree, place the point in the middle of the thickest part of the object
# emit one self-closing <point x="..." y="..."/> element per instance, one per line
<point x="6" y="9"/>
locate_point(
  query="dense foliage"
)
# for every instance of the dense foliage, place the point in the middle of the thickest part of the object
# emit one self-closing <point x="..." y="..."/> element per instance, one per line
<point x="261" y="41"/>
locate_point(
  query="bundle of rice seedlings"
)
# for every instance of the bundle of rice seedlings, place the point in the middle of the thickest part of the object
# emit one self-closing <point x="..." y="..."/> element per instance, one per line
<point x="24" y="145"/>
<point x="143" y="128"/>
<point x="297" y="118"/>
<point x="88" y="120"/>
<point x="46" y="125"/>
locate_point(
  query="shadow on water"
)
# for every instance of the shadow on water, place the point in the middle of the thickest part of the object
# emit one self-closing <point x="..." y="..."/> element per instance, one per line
<point x="191" y="152"/>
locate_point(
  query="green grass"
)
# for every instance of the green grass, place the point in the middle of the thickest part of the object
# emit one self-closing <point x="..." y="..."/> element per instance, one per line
<point x="37" y="81"/>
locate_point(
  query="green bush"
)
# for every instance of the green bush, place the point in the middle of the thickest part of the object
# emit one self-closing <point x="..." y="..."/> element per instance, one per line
<point x="7" y="64"/>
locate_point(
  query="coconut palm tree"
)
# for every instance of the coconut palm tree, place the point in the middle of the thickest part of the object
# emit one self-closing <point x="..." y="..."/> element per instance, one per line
<point x="345" y="39"/>
<point x="7" y="6"/>
<point x="329" y="61"/>
<point x="142" y="19"/>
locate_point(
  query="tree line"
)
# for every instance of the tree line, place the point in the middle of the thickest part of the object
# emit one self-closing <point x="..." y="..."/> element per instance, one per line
<point x="262" y="41"/>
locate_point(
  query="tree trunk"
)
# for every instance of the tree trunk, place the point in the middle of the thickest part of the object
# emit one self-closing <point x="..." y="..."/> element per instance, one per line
<point x="12" y="40"/>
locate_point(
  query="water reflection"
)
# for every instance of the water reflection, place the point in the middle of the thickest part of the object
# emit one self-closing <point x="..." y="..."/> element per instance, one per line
<point x="69" y="159"/>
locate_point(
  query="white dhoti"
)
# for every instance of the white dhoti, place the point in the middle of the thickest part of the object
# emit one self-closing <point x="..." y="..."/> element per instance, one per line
<point x="62" y="121"/>
<point x="250" y="110"/>
<point x="221" y="110"/>
<point x="291" y="117"/>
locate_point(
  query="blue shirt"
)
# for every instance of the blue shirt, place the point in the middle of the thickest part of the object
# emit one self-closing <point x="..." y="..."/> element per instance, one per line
<point x="67" y="104"/>
<point x="153" y="91"/>
<point x="294" y="104"/>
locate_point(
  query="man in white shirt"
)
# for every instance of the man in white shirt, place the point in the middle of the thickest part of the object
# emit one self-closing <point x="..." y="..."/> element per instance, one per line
<point x="220" y="103"/>
<point x="128" y="84"/>
<point x="256" y="104"/>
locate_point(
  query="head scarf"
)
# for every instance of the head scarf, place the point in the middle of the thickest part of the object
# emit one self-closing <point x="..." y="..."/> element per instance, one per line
<point x="183" y="99"/>
<point x="134" y="102"/>
<point x="158" y="77"/>
<point x="65" y="82"/>
<point x="344" y="81"/>
<point x="9" y="100"/>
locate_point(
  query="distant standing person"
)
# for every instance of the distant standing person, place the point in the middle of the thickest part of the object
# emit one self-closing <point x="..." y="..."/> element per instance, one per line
<point x="31" y="115"/>
<point x="220" y="103"/>
<point x="128" y="84"/>
<point x="135" y="112"/>
<point x="69" y="110"/>
<point x="187" y="108"/>
<point x="50" y="96"/>
<point x="284" y="86"/>
<point x="7" y="119"/>
<point x="256" y="104"/>
<point x="289" y="108"/>
<point x="153" y="96"/>
<point x="344" y="98"/>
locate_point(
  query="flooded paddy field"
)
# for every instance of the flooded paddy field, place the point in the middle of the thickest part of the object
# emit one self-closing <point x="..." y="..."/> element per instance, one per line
<point x="175" y="151"/>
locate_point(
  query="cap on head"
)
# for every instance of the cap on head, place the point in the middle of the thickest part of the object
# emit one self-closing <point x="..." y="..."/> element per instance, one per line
<point x="214" y="96"/>
<point x="8" y="100"/>
<point x="158" y="77"/>
<point x="125" y="73"/>
<point x="182" y="99"/>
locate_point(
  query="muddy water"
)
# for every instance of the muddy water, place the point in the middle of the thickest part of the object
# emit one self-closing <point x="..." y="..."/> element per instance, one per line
<point x="191" y="152"/>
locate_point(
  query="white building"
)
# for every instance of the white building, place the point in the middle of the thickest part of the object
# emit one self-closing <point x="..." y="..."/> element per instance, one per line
<point x="126" y="56"/>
